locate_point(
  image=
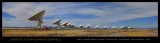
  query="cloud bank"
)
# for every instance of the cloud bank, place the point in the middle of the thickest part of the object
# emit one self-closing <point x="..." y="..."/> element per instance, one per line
<point x="105" y="12"/>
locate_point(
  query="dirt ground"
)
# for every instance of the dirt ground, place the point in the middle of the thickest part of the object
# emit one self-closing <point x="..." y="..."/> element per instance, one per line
<point x="78" y="33"/>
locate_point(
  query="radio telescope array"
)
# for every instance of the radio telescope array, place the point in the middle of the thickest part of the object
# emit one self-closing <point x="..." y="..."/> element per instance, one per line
<point x="39" y="18"/>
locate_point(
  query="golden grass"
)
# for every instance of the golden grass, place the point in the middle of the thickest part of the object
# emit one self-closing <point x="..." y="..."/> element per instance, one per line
<point x="74" y="33"/>
<point x="140" y="33"/>
<point x="50" y="33"/>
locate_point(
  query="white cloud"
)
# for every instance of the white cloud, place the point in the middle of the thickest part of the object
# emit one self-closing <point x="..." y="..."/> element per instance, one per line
<point x="130" y="10"/>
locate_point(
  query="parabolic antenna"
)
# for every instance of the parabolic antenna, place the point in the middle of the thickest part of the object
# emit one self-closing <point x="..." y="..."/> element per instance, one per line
<point x="88" y="26"/>
<point x="114" y="27"/>
<point x="65" y="24"/>
<point x="57" y="22"/>
<point x="122" y="27"/>
<point x="105" y="27"/>
<point x="81" y="26"/>
<point x="72" y="25"/>
<point x="69" y="25"/>
<point x="130" y="27"/>
<point x="97" y="26"/>
<point x="38" y="17"/>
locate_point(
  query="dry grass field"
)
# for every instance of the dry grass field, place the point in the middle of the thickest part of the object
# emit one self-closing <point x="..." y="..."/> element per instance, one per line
<point x="78" y="33"/>
<point x="144" y="33"/>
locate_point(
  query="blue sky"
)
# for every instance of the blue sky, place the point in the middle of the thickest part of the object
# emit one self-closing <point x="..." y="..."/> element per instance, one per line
<point x="149" y="22"/>
<point x="135" y="14"/>
<point x="72" y="16"/>
<point x="6" y="15"/>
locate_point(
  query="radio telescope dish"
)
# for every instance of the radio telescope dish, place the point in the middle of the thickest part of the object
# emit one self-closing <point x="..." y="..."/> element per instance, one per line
<point x="69" y="25"/>
<point x="65" y="24"/>
<point x="114" y="27"/>
<point x="38" y="17"/>
<point x="73" y="25"/>
<point x="130" y="27"/>
<point x="57" y="22"/>
<point x="81" y="26"/>
<point x="105" y="27"/>
<point x="97" y="26"/>
<point x="122" y="27"/>
<point x="88" y="26"/>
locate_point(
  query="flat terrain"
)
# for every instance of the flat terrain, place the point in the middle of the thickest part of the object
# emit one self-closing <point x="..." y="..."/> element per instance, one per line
<point x="78" y="33"/>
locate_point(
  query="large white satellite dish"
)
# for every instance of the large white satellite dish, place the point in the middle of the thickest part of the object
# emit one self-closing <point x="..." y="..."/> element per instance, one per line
<point x="88" y="26"/>
<point x="65" y="24"/>
<point x="105" y="27"/>
<point x="57" y="22"/>
<point x="73" y="25"/>
<point x="97" y="26"/>
<point x="81" y="26"/>
<point x="69" y="25"/>
<point x="122" y="27"/>
<point x="114" y="27"/>
<point x="130" y="27"/>
<point x="38" y="17"/>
